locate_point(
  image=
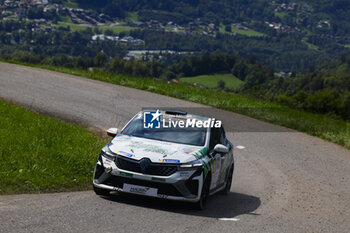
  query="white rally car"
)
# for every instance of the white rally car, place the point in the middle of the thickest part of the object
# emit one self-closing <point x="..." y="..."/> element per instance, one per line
<point x="186" y="164"/>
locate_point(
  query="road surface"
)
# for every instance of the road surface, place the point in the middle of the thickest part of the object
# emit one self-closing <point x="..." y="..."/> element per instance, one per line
<point x="284" y="181"/>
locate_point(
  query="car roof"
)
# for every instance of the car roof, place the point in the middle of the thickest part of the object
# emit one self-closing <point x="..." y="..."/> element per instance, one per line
<point x="177" y="114"/>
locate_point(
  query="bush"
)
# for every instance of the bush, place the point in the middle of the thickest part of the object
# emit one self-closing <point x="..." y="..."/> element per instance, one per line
<point x="325" y="101"/>
<point x="221" y="84"/>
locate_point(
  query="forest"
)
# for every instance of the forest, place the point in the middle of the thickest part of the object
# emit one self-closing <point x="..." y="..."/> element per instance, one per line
<point x="286" y="53"/>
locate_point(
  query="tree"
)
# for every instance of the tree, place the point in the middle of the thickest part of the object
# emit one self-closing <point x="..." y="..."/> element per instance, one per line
<point x="100" y="59"/>
<point x="240" y="70"/>
<point x="108" y="32"/>
<point x="256" y="76"/>
<point x="221" y="84"/>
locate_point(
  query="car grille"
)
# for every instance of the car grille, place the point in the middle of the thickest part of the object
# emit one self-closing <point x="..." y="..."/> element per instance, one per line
<point x="163" y="189"/>
<point x="145" y="166"/>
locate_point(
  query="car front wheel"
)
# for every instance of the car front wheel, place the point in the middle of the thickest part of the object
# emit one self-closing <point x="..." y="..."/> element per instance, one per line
<point x="200" y="205"/>
<point x="228" y="182"/>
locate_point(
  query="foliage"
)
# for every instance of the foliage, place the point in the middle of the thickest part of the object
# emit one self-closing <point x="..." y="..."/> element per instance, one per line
<point x="284" y="52"/>
<point x="16" y="36"/>
<point x="305" y="14"/>
<point x="221" y="84"/>
<point x="211" y="81"/>
<point x="325" y="89"/>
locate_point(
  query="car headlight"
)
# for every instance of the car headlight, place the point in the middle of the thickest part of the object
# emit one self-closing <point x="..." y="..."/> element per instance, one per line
<point x="106" y="152"/>
<point x="194" y="165"/>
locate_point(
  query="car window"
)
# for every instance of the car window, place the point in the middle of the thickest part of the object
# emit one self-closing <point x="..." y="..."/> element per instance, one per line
<point x="189" y="136"/>
<point x="222" y="136"/>
<point x="215" y="134"/>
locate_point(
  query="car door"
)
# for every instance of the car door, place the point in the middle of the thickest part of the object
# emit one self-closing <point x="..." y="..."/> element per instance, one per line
<point x="225" y="160"/>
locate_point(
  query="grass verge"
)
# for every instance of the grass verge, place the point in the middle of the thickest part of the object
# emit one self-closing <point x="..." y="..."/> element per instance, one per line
<point x="79" y="27"/>
<point x="43" y="154"/>
<point x="247" y="32"/>
<point x="323" y="126"/>
<point x="211" y="81"/>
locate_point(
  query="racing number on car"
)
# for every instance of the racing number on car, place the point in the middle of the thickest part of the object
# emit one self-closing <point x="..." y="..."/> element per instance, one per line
<point x="216" y="168"/>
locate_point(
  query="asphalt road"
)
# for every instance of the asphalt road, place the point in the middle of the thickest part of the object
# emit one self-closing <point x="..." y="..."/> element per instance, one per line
<point x="284" y="181"/>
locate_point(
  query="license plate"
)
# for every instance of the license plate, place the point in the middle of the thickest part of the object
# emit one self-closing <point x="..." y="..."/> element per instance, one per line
<point x="140" y="190"/>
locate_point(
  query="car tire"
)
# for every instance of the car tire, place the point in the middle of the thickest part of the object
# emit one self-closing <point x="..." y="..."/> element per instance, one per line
<point x="101" y="192"/>
<point x="200" y="205"/>
<point x="227" y="188"/>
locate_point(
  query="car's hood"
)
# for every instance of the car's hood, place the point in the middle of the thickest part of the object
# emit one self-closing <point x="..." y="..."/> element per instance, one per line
<point x="157" y="151"/>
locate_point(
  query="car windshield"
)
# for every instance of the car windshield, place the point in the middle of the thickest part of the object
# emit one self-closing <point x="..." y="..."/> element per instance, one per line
<point x="189" y="136"/>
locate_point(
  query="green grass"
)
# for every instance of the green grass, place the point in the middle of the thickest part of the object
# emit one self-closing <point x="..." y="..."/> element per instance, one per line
<point x="64" y="20"/>
<point x="42" y="154"/>
<point x="248" y="32"/>
<point x="234" y="30"/>
<point x="323" y="126"/>
<point x="347" y="46"/>
<point x="116" y="29"/>
<point x="311" y="46"/>
<point x="70" y="4"/>
<point x="77" y="27"/>
<point x="132" y="16"/>
<point x="280" y="15"/>
<point x="211" y="81"/>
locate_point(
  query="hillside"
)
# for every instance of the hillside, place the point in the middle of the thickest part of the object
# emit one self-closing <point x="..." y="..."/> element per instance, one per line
<point x="289" y="36"/>
<point x="325" y="89"/>
<point x="317" y="23"/>
<point x="325" y="16"/>
<point x="228" y="81"/>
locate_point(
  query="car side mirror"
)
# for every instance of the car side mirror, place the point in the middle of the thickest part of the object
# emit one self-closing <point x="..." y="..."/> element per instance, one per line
<point x="219" y="148"/>
<point x="112" y="132"/>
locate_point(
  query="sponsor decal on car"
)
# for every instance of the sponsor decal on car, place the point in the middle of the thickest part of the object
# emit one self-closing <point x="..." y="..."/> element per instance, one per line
<point x="162" y="196"/>
<point x="169" y="161"/>
<point x="157" y="150"/>
<point x="187" y="150"/>
<point x="140" y="190"/>
<point x="158" y="179"/>
<point x="125" y="154"/>
<point x="185" y="174"/>
<point x="126" y="174"/>
<point x="151" y="148"/>
<point x="123" y="137"/>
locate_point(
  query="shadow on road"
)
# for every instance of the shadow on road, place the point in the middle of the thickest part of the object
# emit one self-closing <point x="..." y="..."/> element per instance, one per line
<point x="218" y="206"/>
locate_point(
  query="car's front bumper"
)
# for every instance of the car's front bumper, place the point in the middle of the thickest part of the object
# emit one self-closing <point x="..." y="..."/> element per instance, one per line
<point x="181" y="186"/>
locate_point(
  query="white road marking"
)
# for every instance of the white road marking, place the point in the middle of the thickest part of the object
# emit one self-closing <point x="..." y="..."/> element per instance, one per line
<point x="240" y="147"/>
<point x="229" y="219"/>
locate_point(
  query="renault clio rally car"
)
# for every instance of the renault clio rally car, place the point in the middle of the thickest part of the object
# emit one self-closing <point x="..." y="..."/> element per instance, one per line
<point x="164" y="160"/>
